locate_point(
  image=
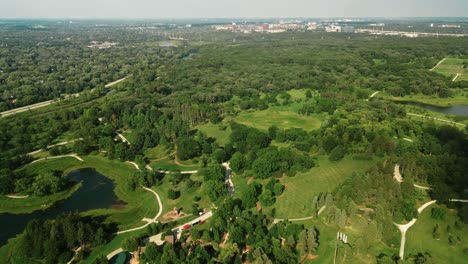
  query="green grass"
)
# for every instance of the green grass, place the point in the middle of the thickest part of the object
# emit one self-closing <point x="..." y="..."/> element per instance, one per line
<point x="185" y="200"/>
<point x="157" y="152"/>
<point x="460" y="97"/>
<point x="419" y="238"/>
<point x="301" y="188"/>
<point x="111" y="246"/>
<point x="33" y="203"/>
<point x="379" y="61"/>
<point x="219" y="131"/>
<point x="282" y="118"/>
<point x="453" y="66"/>
<point x="168" y="164"/>
<point x="140" y="203"/>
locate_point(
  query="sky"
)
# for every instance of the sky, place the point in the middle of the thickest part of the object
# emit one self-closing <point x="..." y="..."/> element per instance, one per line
<point x="230" y="8"/>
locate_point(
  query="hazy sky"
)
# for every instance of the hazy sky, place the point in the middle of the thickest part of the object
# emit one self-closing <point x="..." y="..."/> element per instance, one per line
<point x="229" y="8"/>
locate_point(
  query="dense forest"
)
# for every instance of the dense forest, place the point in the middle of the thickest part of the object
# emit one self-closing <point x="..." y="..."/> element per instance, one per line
<point x="172" y="91"/>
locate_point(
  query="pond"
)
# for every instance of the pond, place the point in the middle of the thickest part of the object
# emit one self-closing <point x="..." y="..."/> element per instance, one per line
<point x="96" y="192"/>
<point x="460" y="110"/>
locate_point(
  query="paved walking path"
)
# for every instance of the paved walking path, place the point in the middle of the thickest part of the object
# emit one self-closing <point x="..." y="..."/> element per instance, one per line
<point x="124" y="140"/>
<point x="46" y="103"/>
<point x="57" y="157"/>
<point x="17" y="196"/>
<point x="134" y="164"/>
<point x="438" y="119"/>
<point x="146" y="219"/>
<point x="399" y="178"/>
<point x="437" y="64"/>
<point x="158" y="239"/>
<point x="276" y="220"/>
<point x="405" y="227"/>
<point x="372" y="95"/>
<point x="55" y="145"/>
<point x="456" y="76"/>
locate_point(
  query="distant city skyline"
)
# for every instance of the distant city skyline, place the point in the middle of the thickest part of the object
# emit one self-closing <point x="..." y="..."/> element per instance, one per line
<point x="229" y="9"/>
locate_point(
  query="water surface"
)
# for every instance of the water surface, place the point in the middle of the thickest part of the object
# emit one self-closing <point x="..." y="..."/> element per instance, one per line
<point x="95" y="192"/>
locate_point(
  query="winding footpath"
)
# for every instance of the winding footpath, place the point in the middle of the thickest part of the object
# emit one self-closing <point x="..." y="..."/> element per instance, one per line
<point x="149" y="221"/>
<point x="438" y="119"/>
<point x="276" y="220"/>
<point x="405" y="227"/>
<point x="55" y="145"/>
<point x="58" y="157"/>
<point x="372" y="95"/>
<point x="437" y="64"/>
<point x="49" y="102"/>
<point x="159" y="240"/>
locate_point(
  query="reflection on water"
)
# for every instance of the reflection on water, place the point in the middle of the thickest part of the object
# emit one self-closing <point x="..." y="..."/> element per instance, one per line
<point x="95" y="192"/>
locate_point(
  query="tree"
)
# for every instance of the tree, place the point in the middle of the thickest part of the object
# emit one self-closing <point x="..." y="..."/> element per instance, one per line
<point x="312" y="239"/>
<point x="172" y="194"/>
<point x="337" y="153"/>
<point x="187" y="148"/>
<point x="130" y="244"/>
<point x="228" y="252"/>
<point x="436" y="233"/>
<point x="151" y="252"/>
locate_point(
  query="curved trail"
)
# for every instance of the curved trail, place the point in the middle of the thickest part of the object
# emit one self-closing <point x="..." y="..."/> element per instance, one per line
<point x="405" y="227"/>
<point x="134" y="164"/>
<point x="149" y="221"/>
<point x="49" y="102"/>
<point x="276" y="220"/>
<point x="158" y="239"/>
<point x="438" y="119"/>
<point x="437" y="64"/>
<point x="17" y="196"/>
<point x="58" y="157"/>
<point x="399" y="178"/>
<point x="372" y="95"/>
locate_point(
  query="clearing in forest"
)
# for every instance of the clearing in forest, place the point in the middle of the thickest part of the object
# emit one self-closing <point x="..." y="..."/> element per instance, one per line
<point x="296" y="201"/>
<point x="283" y="119"/>
<point x="453" y="67"/>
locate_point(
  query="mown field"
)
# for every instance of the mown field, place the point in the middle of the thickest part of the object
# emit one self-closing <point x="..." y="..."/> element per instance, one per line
<point x="419" y="238"/>
<point x="301" y="188"/>
<point x="451" y="67"/>
<point x="460" y="97"/>
<point x="283" y="119"/>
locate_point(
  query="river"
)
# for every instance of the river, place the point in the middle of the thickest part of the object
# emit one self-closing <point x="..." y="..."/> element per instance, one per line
<point x="460" y="110"/>
<point x="96" y="192"/>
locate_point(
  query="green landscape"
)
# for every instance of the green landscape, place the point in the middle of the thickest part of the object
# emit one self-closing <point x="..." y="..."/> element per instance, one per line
<point x="170" y="143"/>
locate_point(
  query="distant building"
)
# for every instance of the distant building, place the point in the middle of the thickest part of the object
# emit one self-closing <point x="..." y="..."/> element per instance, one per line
<point x="347" y="29"/>
<point x="333" y="28"/>
<point x="169" y="239"/>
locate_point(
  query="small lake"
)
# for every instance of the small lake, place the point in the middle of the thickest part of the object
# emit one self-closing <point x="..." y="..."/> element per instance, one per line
<point x="96" y="192"/>
<point x="460" y="110"/>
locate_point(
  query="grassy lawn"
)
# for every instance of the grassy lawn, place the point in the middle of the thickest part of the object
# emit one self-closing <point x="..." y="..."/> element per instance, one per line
<point x="33" y="203"/>
<point x="140" y="203"/>
<point x="185" y="200"/>
<point x="219" y="131"/>
<point x="282" y="118"/>
<point x="432" y="114"/>
<point x="419" y="238"/>
<point x="460" y="97"/>
<point x="111" y="246"/>
<point x="157" y="152"/>
<point x="168" y="164"/>
<point x="301" y="189"/>
<point x="451" y="67"/>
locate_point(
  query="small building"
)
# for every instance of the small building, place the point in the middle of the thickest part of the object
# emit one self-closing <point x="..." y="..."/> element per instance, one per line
<point x="333" y="28"/>
<point x="169" y="239"/>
